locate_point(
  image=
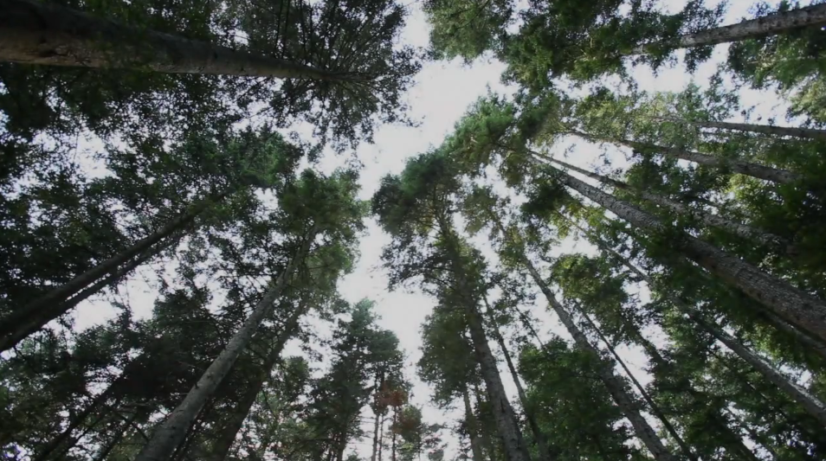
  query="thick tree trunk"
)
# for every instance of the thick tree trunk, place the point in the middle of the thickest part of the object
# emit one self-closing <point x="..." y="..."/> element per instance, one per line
<point x="539" y="437"/>
<point x="614" y="385"/>
<point x="473" y="428"/>
<point x="772" y="24"/>
<point x="711" y="220"/>
<point x="57" y="302"/>
<point x="737" y="166"/>
<point x="789" y="303"/>
<point x="49" y="34"/>
<point x="772" y="130"/>
<point x="34" y="323"/>
<point x="644" y="393"/>
<point x="503" y="414"/>
<point x="235" y="420"/>
<point x="172" y="431"/>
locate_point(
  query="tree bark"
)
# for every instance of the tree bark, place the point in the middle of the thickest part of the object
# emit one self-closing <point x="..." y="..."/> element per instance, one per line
<point x="789" y="303"/>
<point x="235" y="420"/>
<point x="711" y="220"/>
<point x="771" y="24"/>
<point x="737" y="166"/>
<point x="381" y="435"/>
<point x="375" y="436"/>
<point x="116" y="438"/>
<point x="473" y="428"/>
<point x="771" y="130"/>
<point x="172" y="431"/>
<point x="48" y="34"/>
<point x="614" y="385"/>
<point x="645" y="395"/>
<point x="539" y="437"/>
<point x="17" y="325"/>
<point x="503" y="414"/>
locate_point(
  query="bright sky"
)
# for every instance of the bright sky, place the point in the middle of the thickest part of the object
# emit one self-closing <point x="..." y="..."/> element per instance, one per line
<point x="442" y="93"/>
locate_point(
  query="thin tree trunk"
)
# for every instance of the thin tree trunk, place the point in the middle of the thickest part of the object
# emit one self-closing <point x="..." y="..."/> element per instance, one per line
<point x="772" y="130"/>
<point x="35" y="315"/>
<point x="172" y="431"/>
<point x="539" y="437"/>
<point x="122" y="430"/>
<point x="48" y="34"/>
<point x="737" y="166"/>
<point x="615" y="387"/>
<point x="484" y="433"/>
<point x="375" y="438"/>
<point x="473" y="428"/>
<point x="645" y="395"/>
<point x="235" y="420"/>
<point x="381" y="435"/>
<point x="771" y="24"/>
<point x="754" y="435"/>
<point x="34" y="323"/>
<point x="801" y="337"/>
<point x="393" y="430"/>
<point x="788" y="302"/>
<point x="503" y="414"/>
<point x="708" y="219"/>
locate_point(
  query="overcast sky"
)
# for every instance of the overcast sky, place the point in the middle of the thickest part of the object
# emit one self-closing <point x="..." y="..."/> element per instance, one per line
<point x="442" y="93"/>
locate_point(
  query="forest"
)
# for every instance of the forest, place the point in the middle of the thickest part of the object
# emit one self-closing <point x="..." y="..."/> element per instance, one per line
<point x="610" y="271"/>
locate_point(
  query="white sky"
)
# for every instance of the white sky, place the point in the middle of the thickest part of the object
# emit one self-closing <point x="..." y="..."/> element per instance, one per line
<point x="442" y="93"/>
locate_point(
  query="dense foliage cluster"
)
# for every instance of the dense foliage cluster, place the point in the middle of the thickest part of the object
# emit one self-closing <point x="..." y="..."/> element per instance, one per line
<point x="151" y="145"/>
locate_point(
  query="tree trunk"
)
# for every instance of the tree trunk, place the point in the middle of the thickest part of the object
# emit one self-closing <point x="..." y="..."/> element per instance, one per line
<point x="737" y="166"/>
<point x="539" y="437"/>
<point x="76" y="422"/>
<point x="172" y="431"/>
<point x="645" y="395"/>
<point x="789" y="303"/>
<point x="754" y="435"/>
<point x="375" y="438"/>
<point x="615" y="386"/>
<point x="473" y="428"/>
<point x="39" y="319"/>
<point x="57" y="302"/>
<point x="484" y="432"/>
<point x="804" y="339"/>
<point x="116" y="438"/>
<point x="711" y="220"/>
<point x="235" y="420"/>
<point x="381" y="435"/>
<point x="771" y="24"/>
<point x="503" y="414"/>
<point x="810" y="133"/>
<point x="393" y="427"/>
<point x="48" y="34"/>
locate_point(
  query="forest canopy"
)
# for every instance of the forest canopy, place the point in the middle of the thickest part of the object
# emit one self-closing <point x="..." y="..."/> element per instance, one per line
<point x="613" y="268"/>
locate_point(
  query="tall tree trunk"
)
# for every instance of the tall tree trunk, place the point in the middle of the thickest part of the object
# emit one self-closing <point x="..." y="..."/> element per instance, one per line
<point x="771" y="24"/>
<point x="644" y="393"/>
<point x="375" y="437"/>
<point x="711" y="220"/>
<point x="172" y="431"/>
<point x="38" y="319"/>
<point x="21" y="322"/>
<point x="49" y="34"/>
<point x="614" y="385"/>
<point x="235" y="420"/>
<point x="809" y="402"/>
<point x="772" y="130"/>
<point x="473" y="427"/>
<point x="737" y="166"/>
<point x="789" y="303"/>
<point x="800" y="337"/>
<point x="539" y="437"/>
<point x="381" y="435"/>
<point x="484" y="428"/>
<point x="503" y="414"/>
<point x="394" y="429"/>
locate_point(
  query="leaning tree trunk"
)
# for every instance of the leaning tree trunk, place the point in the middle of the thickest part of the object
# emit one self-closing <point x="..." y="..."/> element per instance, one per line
<point x="809" y="402"/>
<point x="615" y="386"/>
<point x="235" y="419"/>
<point x="472" y="427"/>
<point x="539" y="437"/>
<point x="771" y="130"/>
<point x="771" y="24"/>
<point x="49" y="34"/>
<point x="792" y="304"/>
<point x="174" y="429"/>
<point x="122" y="429"/>
<point x="711" y="220"/>
<point x="644" y="393"/>
<point x="504" y="416"/>
<point x="737" y="166"/>
<point x="22" y="322"/>
<point x="802" y="338"/>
